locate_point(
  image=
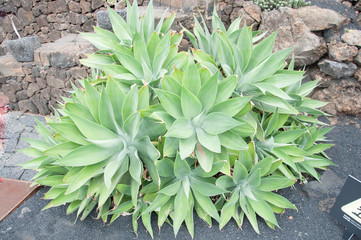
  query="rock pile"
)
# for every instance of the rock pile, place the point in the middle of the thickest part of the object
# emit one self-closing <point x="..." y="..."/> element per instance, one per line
<point x="37" y="86"/>
<point x="50" y="20"/>
<point x="341" y="69"/>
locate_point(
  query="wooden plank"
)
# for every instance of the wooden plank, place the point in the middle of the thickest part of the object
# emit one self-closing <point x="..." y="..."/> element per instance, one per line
<point x="13" y="193"/>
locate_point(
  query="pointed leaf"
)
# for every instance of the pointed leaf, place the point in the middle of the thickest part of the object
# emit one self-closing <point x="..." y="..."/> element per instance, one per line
<point x="205" y="157"/>
<point x="210" y="141"/>
<point x="216" y="123"/>
<point x="191" y="106"/>
<point x="85" y="155"/>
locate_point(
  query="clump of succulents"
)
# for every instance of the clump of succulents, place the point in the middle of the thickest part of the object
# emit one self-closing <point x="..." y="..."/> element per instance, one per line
<point x="218" y="129"/>
<point x="269" y="5"/>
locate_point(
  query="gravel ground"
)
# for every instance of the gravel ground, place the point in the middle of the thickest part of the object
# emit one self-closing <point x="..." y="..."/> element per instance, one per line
<point x="311" y="221"/>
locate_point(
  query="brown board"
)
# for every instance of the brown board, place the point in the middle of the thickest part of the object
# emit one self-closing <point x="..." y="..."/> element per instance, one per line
<point x="12" y="194"/>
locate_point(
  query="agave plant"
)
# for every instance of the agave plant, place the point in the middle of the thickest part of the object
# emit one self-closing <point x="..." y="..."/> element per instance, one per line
<point x="202" y="39"/>
<point x="183" y="189"/>
<point x="137" y="52"/>
<point x="281" y="136"/>
<point x="125" y="30"/>
<point x="251" y="190"/>
<point x="199" y="114"/>
<point x="260" y="72"/>
<point x="99" y="145"/>
<point x="156" y="130"/>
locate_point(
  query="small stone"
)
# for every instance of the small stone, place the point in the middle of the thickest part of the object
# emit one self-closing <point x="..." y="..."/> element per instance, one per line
<point x="358" y="74"/>
<point x="41" y="82"/>
<point x="25" y="17"/>
<point x="56" y="93"/>
<point x="63" y="26"/>
<point x="51" y="18"/>
<point x="228" y="9"/>
<point x="352" y="37"/>
<point x="46" y="94"/>
<point x="24" y="84"/>
<point x="30" y="79"/>
<point x="103" y="19"/>
<point x="74" y="7"/>
<point x="10" y="67"/>
<point x="54" y="35"/>
<point x="342" y="52"/>
<point x="78" y="72"/>
<point x="22" y="95"/>
<point x="35" y="71"/>
<point x="42" y="21"/>
<point x="57" y="6"/>
<point x="293" y="32"/>
<point x="74" y="29"/>
<point x="43" y="37"/>
<point x="61" y="18"/>
<point x="96" y="4"/>
<point x="9" y="92"/>
<point x="318" y="19"/>
<point x="43" y="72"/>
<point x="330" y="185"/>
<point x="32" y="88"/>
<point x="41" y="104"/>
<point x="55" y="82"/>
<point x="28" y="106"/>
<point x="63" y="60"/>
<point x="74" y="18"/>
<point x="44" y="30"/>
<point x="337" y="69"/>
<point x="26" y="4"/>
<point x="7" y="26"/>
<point x="16" y="3"/>
<point x="238" y="3"/>
<point x="85" y="6"/>
<point x="58" y="73"/>
<point x="28" y="30"/>
<point x="83" y="19"/>
<point x="357" y="59"/>
<point x="64" y="33"/>
<point x="88" y="26"/>
<point x="253" y="10"/>
<point x="23" y="49"/>
<point x="57" y="26"/>
<point x="40" y="8"/>
<point x="343" y="97"/>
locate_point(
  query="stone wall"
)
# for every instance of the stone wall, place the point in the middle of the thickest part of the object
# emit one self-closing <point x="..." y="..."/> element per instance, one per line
<point x="53" y="19"/>
<point x="48" y="19"/>
<point x="37" y="86"/>
<point x="325" y="35"/>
